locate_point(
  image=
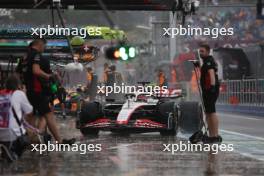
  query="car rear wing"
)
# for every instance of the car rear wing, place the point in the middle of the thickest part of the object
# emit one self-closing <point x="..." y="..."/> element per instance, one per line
<point x="169" y="93"/>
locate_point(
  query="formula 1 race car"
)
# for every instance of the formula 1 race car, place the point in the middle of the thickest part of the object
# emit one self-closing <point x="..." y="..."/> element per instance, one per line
<point x="141" y="113"/>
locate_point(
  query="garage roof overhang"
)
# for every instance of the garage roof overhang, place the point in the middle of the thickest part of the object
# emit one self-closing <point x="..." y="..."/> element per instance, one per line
<point x="153" y="5"/>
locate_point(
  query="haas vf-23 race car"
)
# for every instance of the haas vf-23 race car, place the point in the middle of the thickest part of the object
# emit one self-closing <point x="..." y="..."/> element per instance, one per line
<point x="141" y="113"/>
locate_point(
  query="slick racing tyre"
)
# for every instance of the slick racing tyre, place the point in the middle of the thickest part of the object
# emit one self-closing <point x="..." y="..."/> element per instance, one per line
<point x="190" y="116"/>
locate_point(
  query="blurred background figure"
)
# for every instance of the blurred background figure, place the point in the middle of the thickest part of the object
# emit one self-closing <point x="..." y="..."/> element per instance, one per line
<point x="162" y="80"/>
<point x="114" y="78"/>
<point x="193" y="81"/>
<point x="61" y="93"/>
<point x="105" y="74"/>
<point x="173" y="76"/>
<point x="91" y="86"/>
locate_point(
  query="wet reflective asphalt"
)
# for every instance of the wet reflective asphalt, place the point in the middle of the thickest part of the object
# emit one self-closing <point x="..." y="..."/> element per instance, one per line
<point x="133" y="155"/>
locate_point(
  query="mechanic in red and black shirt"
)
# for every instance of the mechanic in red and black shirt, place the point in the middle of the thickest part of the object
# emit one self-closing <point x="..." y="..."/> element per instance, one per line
<point x="37" y="79"/>
<point x="210" y="91"/>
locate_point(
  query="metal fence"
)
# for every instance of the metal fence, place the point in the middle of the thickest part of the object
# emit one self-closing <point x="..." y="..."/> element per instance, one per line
<point x="248" y="92"/>
<point x="243" y="92"/>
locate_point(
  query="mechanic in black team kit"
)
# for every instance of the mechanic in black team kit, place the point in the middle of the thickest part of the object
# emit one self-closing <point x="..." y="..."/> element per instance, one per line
<point x="210" y="91"/>
<point x="37" y="79"/>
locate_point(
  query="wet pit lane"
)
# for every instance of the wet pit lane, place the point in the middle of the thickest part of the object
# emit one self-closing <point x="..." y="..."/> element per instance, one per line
<point x="137" y="154"/>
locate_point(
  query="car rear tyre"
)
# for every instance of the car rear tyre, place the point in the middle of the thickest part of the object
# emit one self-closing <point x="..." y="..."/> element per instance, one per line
<point x="190" y="118"/>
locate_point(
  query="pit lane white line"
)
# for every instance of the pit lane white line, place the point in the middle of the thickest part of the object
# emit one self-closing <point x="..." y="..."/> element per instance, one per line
<point x="244" y="135"/>
<point x="239" y="116"/>
<point x="251" y="156"/>
<point x="123" y="145"/>
<point x="257" y="156"/>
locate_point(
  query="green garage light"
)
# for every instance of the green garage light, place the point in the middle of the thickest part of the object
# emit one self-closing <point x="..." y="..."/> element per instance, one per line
<point x="123" y="53"/>
<point x="132" y="52"/>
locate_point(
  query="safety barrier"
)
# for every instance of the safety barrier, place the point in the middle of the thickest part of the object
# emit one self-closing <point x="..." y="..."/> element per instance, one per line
<point x="249" y="92"/>
<point x="246" y="92"/>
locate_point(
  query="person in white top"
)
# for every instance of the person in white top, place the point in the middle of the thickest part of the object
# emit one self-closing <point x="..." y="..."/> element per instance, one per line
<point x="20" y="108"/>
<point x="20" y="104"/>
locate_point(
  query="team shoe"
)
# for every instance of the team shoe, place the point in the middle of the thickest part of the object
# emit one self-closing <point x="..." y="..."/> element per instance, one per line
<point x="69" y="141"/>
<point x="212" y="140"/>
